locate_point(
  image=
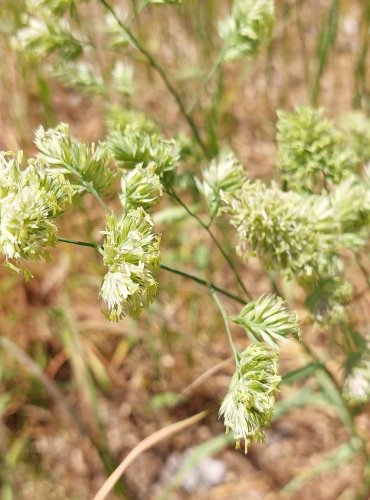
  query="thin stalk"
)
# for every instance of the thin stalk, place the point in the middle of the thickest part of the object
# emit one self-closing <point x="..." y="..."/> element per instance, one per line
<point x="203" y="282"/>
<point x="215" y="241"/>
<point x="79" y="243"/>
<point x="162" y="73"/>
<point x="226" y="321"/>
<point x="184" y="274"/>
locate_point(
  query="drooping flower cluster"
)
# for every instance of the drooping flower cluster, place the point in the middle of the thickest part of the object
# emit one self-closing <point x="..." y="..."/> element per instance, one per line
<point x="224" y="175"/>
<point x="30" y="201"/>
<point x="131" y="253"/>
<point x="250" y="23"/>
<point x="268" y="320"/>
<point x="249" y="403"/>
<point x="85" y="165"/>
<point x="311" y="152"/>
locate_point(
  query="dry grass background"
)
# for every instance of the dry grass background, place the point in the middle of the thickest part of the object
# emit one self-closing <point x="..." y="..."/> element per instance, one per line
<point x="56" y="317"/>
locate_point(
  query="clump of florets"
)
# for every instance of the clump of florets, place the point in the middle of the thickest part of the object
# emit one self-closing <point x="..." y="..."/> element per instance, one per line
<point x="131" y="253"/>
<point x="249" y="403"/>
<point x="357" y="127"/>
<point x="224" y="175"/>
<point x="30" y="200"/>
<point x="85" y="165"/>
<point x="268" y="320"/>
<point x="250" y="23"/>
<point x="133" y="146"/>
<point x="351" y="204"/>
<point x="43" y="35"/>
<point x="141" y="187"/>
<point x="311" y="152"/>
<point x="286" y="230"/>
<point x="80" y="76"/>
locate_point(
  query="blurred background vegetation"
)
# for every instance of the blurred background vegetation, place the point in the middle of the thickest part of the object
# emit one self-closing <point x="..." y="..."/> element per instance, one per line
<point x="78" y="393"/>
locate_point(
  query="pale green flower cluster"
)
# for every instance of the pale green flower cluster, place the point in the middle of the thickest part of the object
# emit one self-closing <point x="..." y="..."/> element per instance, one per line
<point x="268" y="320"/>
<point x="311" y="151"/>
<point x="357" y="383"/>
<point x="131" y="253"/>
<point x="249" y="25"/>
<point x="30" y="201"/>
<point x="351" y="204"/>
<point x="141" y="187"/>
<point x="356" y="125"/>
<point x="45" y="34"/>
<point x="249" y="403"/>
<point x="133" y="146"/>
<point x="80" y="76"/>
<point x="85" y="165"/>
<point x="286" y="230"/>
<point x="224" y="175"/>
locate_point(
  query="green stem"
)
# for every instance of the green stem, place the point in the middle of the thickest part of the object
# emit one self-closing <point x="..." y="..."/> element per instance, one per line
<point x="162" y="73"/>
<point x="226" y="321"/>
<point x="203" y="282"/>
<point x="79" y="243"/>
<point x="184" y="274"/>
<point x="216" y="242"/>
